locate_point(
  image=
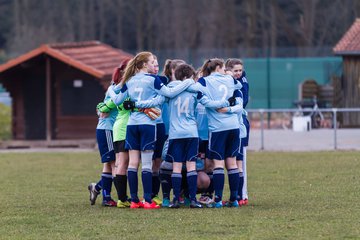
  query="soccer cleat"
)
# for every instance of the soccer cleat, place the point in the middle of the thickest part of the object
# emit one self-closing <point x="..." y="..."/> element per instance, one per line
<point x="215" y="205"/>
<point x="157" y="200"/>
<point x="243" y="202"/>
<point x="175" y="204"/>
<point x="165" y="202"/>
<point x="205" y="200"/>
<point x="121" y="204"/>
<point x="151" y="205"/>
<point x="93" y="193"/>
<point x="195" y="204"/>
<point x="246" y="201"/>
<point x="137" y="205"/>
<point x="234" y="204"/>
<point x="187" y="202"/>
<point x="109" y="203"/>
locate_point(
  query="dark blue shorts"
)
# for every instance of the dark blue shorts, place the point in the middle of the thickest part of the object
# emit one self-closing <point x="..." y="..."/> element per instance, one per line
<point x="224" y="144"/>
<point x="140" y="137"/>
<point x="204" y="147"/>
<point x="183" y="149"/>
<point x="160" y="140"/>
<point x="105" y="143"/>
<point x="247" y="125"/>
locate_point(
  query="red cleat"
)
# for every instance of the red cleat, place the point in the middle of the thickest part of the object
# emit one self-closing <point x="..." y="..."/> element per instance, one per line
<point x="245" y="201"/>
<point x="241" y="203"/>
<point x="109" y="203"/>
<point x="136" y="205"/>
<point x="152" y="205"/>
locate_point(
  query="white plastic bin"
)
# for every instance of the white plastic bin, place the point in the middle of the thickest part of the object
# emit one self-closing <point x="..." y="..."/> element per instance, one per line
<point x="301" y="123"/>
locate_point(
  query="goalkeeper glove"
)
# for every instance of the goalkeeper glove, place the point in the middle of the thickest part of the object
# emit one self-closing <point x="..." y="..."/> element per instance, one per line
<point x="102" y="107"/>
<point x="129" y="105"/>
<point x="152" y="113"/>
<point x="232" y="101"/>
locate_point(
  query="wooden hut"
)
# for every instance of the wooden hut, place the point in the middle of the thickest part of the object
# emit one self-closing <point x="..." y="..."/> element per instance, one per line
<point x="349" y="87"/>
<point x="55" y="89"/>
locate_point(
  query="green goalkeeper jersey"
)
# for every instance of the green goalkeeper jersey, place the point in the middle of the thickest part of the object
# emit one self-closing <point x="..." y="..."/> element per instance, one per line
<point x="119" y="129"/>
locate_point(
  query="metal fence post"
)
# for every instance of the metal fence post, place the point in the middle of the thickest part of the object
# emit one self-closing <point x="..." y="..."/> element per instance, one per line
<point x="262" y="127"/>
<point x="334" y="110"/>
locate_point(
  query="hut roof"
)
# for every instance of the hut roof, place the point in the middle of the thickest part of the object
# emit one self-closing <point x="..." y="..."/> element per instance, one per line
<point x="93" y="57"/>
<point x="349" y="44"/>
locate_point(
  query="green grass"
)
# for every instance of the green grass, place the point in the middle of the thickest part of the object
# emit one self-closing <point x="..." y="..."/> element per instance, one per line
<point x="293" y="196"/>
<point x="5" y="122"/>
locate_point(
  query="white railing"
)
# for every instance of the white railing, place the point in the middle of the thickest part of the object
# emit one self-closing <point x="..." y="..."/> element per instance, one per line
<point x="300" y="111"/>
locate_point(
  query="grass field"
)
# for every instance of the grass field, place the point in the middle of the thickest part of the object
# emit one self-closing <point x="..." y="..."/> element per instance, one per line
<point x="293" y="196"/>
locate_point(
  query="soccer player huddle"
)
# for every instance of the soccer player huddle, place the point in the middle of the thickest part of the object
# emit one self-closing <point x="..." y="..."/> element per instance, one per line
<point x="184" y="127"/>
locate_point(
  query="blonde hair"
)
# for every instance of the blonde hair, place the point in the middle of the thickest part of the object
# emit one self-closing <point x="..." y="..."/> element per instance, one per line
<point x="135" y="64"/>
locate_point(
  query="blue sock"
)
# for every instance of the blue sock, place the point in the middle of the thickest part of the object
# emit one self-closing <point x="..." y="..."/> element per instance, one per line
<point x="176" y="183"/>
<point x="106" y="182"/>
<point x="192" y="184"/>
<point x="133" y="184"/>
<point x="210" y="189"/>
<point x="233" y="175"/>
<point x="98" y="186"/>
<point x="165" y="177"/>
<point x="241" y="185"/>
<point x="218" y="183"/>
<point x="155" y="184"/>
<point x="146" y="176"/>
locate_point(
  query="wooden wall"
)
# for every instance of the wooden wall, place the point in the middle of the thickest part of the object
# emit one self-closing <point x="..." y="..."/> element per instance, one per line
<point x="351" y="90"/>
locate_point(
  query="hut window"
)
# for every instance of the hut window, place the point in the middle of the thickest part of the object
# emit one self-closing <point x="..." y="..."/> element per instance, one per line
<point x="78" y="83"/>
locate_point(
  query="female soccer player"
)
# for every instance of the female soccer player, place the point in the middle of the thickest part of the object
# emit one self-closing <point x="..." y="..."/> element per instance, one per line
<point x="138" y="85"/>
<point x="236" y="68"/>
<point x="224" y="138"/>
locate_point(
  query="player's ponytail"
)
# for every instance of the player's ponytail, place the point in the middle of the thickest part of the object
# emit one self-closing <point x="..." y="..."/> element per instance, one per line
<point x="210" y="65"/>
<point x="170" y="66"/>
<point x="135" y="64"/>
<point x="119" y="72"/>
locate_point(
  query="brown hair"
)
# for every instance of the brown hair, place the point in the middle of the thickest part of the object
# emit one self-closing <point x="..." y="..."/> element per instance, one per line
<point x="119" y="71"/>
<point x="171" y="64"/>
<point x="210" y="65"/>
<point x="231" y="62"/>
<point x="135" y="64"/>
<point x="184" y="71"/>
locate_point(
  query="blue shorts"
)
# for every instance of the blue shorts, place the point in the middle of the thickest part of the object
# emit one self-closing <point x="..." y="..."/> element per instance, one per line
<point x="224" y="144"/>
<point x="140" y="137"/>
<point x="247" y="125"/>
<point x="160" y="140"/>
<point x="240" y="155"/>
<point x="183" y="149"/>
<point x="105" y="143"/>
<point x="204" y="147"/>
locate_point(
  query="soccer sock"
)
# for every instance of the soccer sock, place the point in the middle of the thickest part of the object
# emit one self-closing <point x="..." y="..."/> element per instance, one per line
<point x="155" y="184"/>
<point x="133" y="184"/>
<point x="218" y="183"/>
<point x="176" y="183"/>
<point x="233" y="175"/>
<point x="106" y="182"/>
<point x="165" y="177"/>
<point x="210" y="189"/>
<point x="120" y="182"/>
<point x="192" y="184"/>
<point x="184" y="185"/>
<point x="98" y="186"/>
<point x="241" y="184"/>
<point x="146" y="176"/>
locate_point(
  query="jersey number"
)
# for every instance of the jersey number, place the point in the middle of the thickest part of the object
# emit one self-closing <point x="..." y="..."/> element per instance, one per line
<point x="224" y="89"/>
<point x="140" y="91"/>
<point x="182" y="107"/>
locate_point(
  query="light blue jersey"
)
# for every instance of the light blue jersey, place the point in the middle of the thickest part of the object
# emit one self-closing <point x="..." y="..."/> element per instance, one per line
<point x="182" y="114"/>
<point x="141" y="87"/>
<point x="108" y="122"/>
<point x="202" y="122"/>
<point x="217" y="86"/>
